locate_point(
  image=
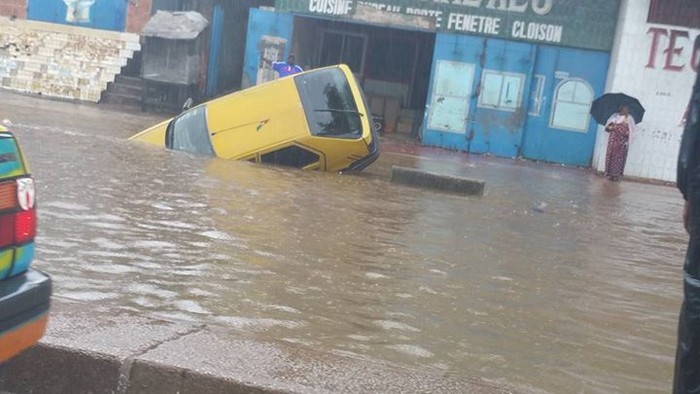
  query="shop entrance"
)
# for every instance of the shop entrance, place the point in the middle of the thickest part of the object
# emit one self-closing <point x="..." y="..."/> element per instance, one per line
<point x="392" y="65"/>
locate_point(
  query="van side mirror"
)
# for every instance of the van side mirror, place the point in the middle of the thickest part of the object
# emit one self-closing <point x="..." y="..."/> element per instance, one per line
<point x="188" y="104"/>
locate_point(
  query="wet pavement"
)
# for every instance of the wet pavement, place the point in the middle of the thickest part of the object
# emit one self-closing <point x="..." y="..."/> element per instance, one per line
<point x="554" y="280"/>
<point x="110" y="350"/>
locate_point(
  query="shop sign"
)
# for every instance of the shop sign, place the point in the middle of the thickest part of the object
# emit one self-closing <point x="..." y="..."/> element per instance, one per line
<point x="583" y="24"/>
<point x="673" y="49"/>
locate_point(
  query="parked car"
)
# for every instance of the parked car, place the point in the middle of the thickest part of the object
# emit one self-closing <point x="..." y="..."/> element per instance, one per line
<point x="25" y="294"/>
<point x="316" y="120"/>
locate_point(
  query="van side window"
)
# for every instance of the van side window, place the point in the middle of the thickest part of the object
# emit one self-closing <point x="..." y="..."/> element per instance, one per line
<point x="189" y="133"/>
<point x="291" y="156"/>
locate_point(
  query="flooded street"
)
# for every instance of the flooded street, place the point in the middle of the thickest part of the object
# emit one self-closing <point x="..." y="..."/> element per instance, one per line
<point x="581" y="297"/>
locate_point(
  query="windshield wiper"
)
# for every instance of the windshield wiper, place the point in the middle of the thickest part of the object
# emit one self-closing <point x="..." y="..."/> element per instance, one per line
<point x="346" y="111"/>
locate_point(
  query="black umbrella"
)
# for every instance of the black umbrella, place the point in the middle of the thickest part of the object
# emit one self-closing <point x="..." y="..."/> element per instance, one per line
<point x="608" y="104"/>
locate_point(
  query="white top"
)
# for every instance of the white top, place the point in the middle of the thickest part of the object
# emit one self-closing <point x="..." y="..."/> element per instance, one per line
<point x="617" y="119"/>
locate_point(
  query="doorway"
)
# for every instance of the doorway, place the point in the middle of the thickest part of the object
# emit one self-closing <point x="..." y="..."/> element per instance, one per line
<point x="339" y="47"/>
<point x="392" y="65"/>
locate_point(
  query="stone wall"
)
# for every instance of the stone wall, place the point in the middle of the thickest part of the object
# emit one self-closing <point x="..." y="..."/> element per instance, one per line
<point x="61" y="61"/>
<point x="657" y="64"/>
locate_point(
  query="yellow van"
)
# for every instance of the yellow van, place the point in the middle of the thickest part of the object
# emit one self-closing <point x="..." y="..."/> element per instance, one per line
<point x="316" y="120"/>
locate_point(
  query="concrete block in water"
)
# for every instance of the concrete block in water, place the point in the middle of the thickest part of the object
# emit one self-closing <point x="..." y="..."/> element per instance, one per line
<point x="429" y="180"/>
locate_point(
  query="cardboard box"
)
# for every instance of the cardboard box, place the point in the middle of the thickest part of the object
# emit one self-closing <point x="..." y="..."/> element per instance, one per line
<point x="404" y="128"/>
<point x="392" y="110"/>
<point x="408" y="114"/>
<point x="376" y="105"/>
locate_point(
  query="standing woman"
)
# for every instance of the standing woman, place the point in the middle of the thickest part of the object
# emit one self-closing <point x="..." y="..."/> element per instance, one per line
<point x="620" y="126"/>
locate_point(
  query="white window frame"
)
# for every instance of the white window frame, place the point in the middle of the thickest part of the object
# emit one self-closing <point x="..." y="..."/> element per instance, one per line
<point x="555" y="101"/>
<point x="502" y="74"/>
<point x="539" y="81"/>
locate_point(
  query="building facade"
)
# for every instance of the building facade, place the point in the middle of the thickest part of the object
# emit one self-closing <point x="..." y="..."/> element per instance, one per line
<point x="92" y="20"/>
<point x="123" y="16"/>
<point x="512" y="78"/>
<point x="655" y="59"/>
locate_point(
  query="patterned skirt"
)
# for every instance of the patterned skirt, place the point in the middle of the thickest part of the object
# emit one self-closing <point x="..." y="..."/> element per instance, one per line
<point x="618" y="142"/>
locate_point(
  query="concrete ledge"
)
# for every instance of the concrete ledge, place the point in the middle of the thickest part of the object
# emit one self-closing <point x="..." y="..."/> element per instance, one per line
<point x="429" y="180"/>
<point x="57" y="369"/>
<point x="92" y="350"/>
<point x="148" y="378"/>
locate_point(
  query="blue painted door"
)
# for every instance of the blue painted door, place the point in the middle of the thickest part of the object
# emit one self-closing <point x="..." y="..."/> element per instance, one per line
<point x="269" y="37"/>
<point x="499" y="104"/>
<point x="478" y="94"/>
<point x="558" y="127"/>
<point x="98" y="14"/>
<point x="456" y="59"/>
<point x="217" y="26"/>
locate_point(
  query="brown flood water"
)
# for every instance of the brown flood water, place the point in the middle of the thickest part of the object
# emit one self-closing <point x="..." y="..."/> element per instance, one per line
<point x="582" y="297"/>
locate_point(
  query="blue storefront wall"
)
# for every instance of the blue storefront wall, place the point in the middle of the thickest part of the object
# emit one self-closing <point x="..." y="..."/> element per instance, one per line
<point x="487" y="95"/>
<point x="269" y="36"/>
<point x="559" y="128"/>
<point x="512" y="99"/>
<point x="217" y="27"/>
<point x="476" y="92"/>
<point x="98" y="14"/>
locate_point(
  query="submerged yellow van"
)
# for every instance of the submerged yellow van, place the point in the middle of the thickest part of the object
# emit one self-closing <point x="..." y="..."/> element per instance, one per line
<point x="316" y="120"/>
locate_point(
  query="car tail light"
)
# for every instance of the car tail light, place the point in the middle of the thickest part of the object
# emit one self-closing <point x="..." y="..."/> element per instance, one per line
<point x="25" y="226"/>
<point x="17" y="212"/>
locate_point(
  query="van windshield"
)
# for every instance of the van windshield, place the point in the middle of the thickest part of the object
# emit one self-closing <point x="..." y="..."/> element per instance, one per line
<point x="329" y="104"/>
<point x="189" y="133"/>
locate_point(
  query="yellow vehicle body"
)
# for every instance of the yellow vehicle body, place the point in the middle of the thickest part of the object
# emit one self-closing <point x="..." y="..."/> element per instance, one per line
<point x="314" y="120"/>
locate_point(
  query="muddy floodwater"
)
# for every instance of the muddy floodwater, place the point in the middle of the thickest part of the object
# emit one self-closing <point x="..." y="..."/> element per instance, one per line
<point x="555" y="280"/>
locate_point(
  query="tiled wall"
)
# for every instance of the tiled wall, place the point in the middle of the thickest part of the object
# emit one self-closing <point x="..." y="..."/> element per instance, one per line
<point x="662" y="84"/>
<point x="61" y="61"/>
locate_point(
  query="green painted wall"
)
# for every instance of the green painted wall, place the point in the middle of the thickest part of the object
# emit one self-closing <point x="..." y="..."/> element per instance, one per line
<point x="586" y="24"/>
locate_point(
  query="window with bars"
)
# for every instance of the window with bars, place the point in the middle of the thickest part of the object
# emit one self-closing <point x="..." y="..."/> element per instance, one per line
<point x="685" y="13"/>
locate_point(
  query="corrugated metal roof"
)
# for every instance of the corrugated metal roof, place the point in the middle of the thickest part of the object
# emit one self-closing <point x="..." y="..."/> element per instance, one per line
<point x="175" y="25"/>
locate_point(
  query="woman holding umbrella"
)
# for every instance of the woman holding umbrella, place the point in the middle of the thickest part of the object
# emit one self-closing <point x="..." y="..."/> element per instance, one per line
<point x="620" y="125"/>
<point x="619" y="113"/>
